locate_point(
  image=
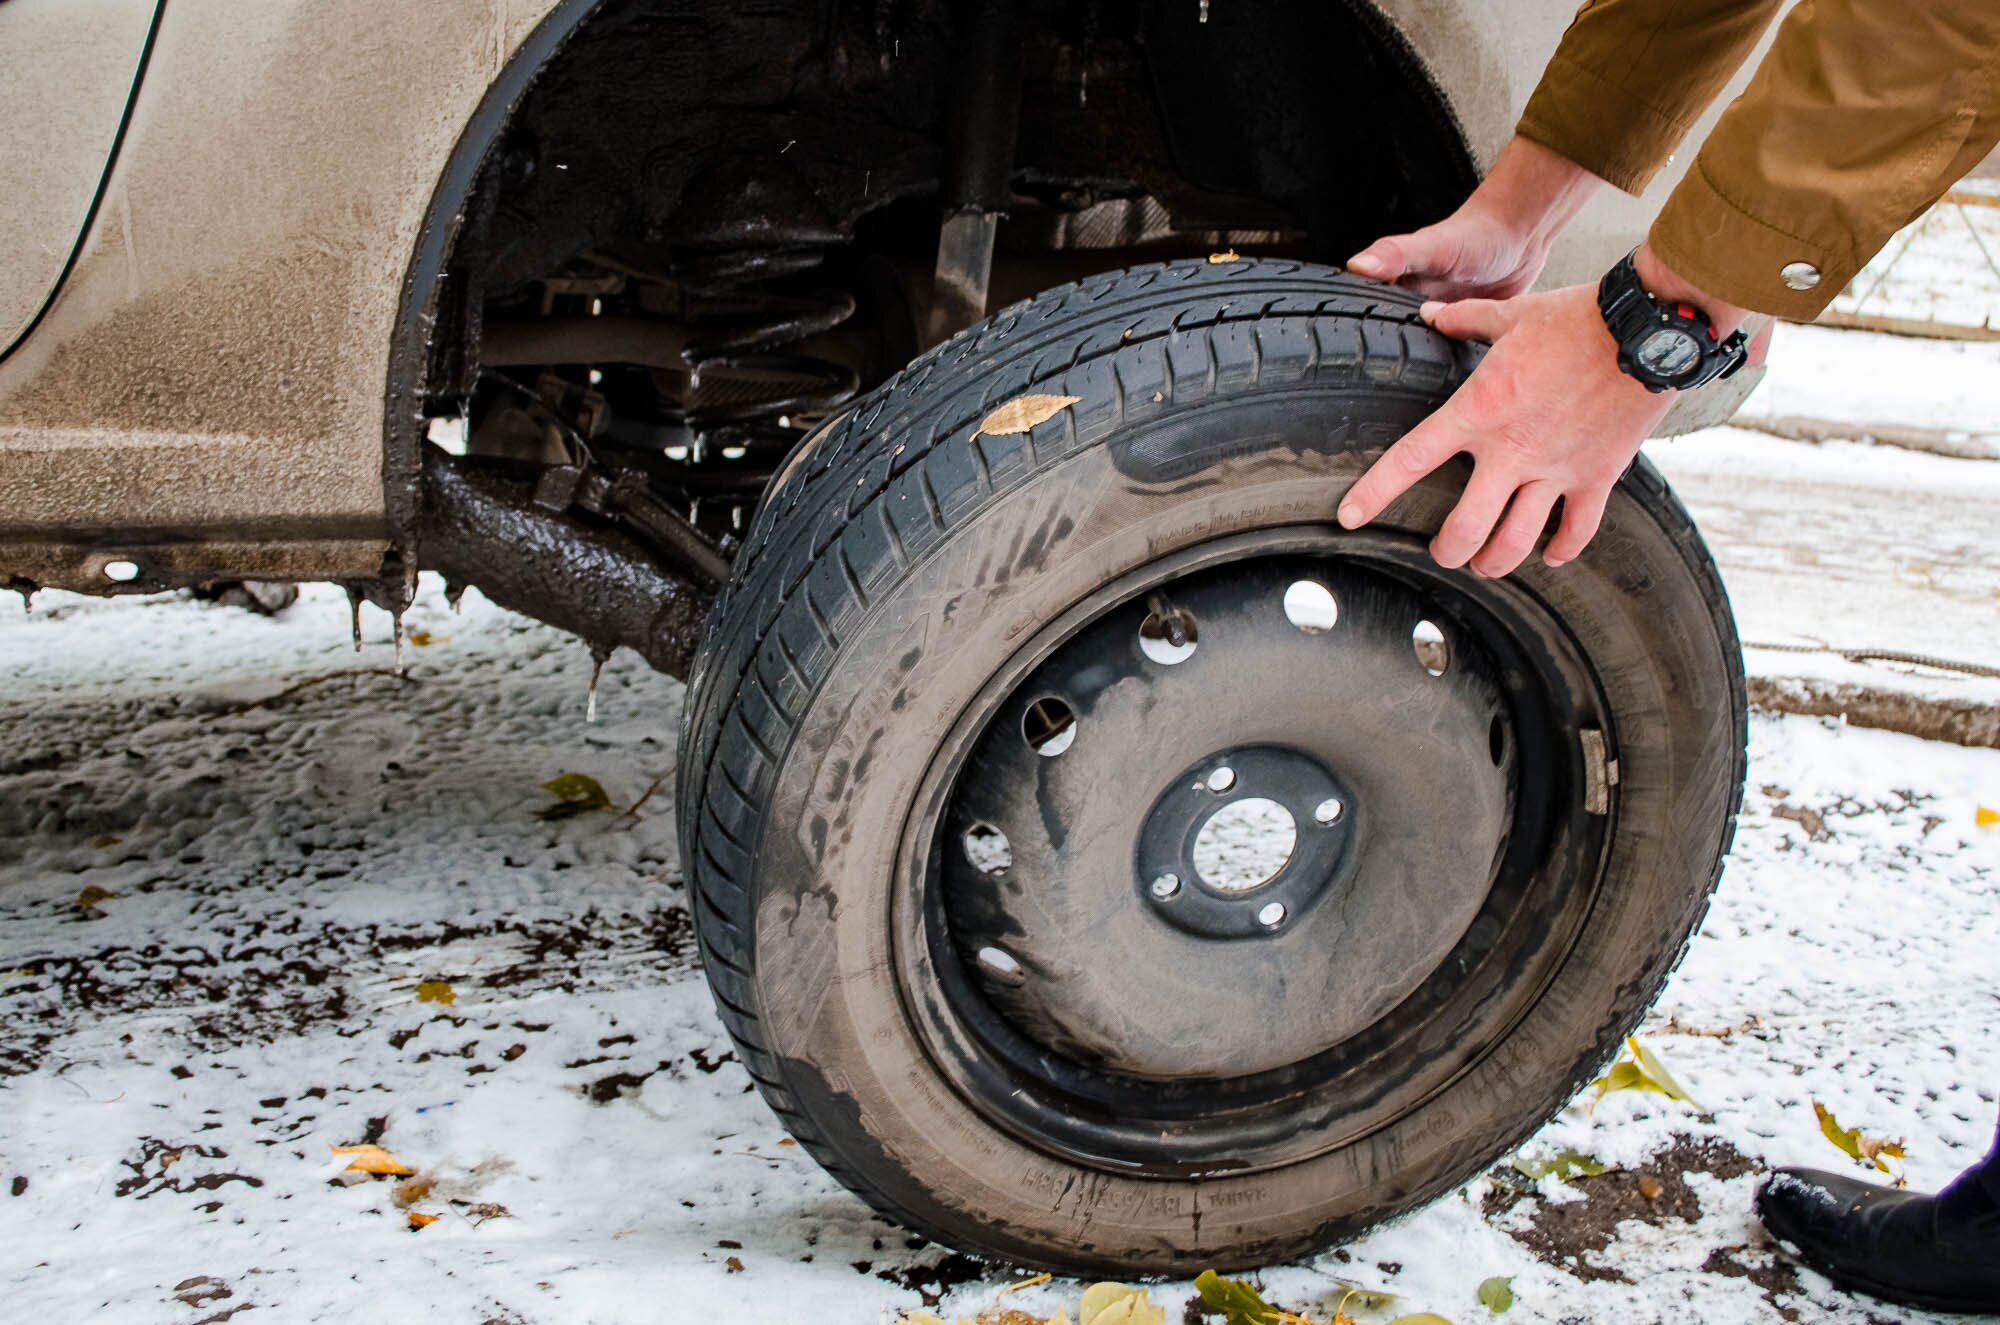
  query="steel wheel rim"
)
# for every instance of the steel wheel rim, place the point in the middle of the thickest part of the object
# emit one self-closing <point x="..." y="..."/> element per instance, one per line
<point x="1238" y="1112"/>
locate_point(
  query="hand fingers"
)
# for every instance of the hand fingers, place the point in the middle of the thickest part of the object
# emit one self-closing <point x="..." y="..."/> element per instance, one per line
<point x="1420" y="450"/>
<point x="1583" y="509"/>
<point x="1527" y="516"/>
<point x="1471" y="319"/>
<point x="1383" y="260"/>
<point x="1479" y="507"/>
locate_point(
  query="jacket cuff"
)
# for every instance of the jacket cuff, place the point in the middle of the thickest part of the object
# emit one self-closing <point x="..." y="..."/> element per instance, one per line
<point x="1727" y="251"/>
<point x="1578" y="113"/>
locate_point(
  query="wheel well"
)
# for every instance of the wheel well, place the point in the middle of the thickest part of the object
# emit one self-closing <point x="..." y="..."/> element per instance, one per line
<point x="691" y="230"/>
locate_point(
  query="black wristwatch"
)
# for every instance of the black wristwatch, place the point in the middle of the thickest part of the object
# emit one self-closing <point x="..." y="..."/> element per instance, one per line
<point x="1668" y="347"/>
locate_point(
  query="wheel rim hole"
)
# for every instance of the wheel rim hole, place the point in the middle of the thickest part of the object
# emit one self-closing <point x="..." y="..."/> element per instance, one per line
<point x="1049" y="726"/>
<point x="1165" y="886"/>
<point x="1328" y="812"/>
<point x="1433" y="652"/>
<point x="1496" y="740"/>
<point x="121" y="572"/>
<point x="1245" y="844"/>
<point x="1221" y="779"/>
<point x="988" y="848"/>
<point x="1168" y="636"/>
<point x="1001" y="965"/>
<point x="1311" y="606"/>
<point x="1271" y="915"/>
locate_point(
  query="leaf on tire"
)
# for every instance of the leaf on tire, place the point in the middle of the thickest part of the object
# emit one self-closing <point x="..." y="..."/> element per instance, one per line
<point x="1496" y="1294"/>
<point x="373" y="1159"/>
<point x="1858" y="1146"/>
<point x="1642" y="1071"/>
<point x="1227" y="255"/>
<point x="575" y="793"/>
<point x="1022" y="413"/>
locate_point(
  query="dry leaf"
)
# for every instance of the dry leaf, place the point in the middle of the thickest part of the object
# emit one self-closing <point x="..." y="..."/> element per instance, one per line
<point x="88" y="899"/>
<point x="1119" y="1304"/>
<point x="1651" y="1187"/>
<point x="418" y="1221"/>
<point x="1023" y="413"/>
<point x="435" y="991"/>
<point x="103" y="840"/>
<point x="788" y="1141"/>
<point x="1986" y="817"/>
<point x="1227" y="255"/>
<point x="423" y="639"/>
<point x="575" y="793"/>
<point x="1642" y="1071"/>
<point x="1866" y="1149"/>
<point x="733" y="1265"/>
<point x="409" y="1193"/>
<point x="373" y="1159"/>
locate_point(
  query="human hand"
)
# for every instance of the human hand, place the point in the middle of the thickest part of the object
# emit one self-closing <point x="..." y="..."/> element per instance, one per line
<point x="1496" y="244"/>
<point x="1546" y="416"/>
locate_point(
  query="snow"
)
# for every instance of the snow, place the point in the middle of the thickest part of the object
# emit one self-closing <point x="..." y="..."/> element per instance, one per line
<point x="301" y="839"/>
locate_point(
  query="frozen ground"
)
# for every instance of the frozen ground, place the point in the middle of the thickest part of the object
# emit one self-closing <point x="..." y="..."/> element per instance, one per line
<point x="278" y="842"/>
<point x="233" y="854"/>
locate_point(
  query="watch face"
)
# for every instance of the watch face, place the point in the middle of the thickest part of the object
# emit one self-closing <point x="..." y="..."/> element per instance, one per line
<point x="1668" y="352"/>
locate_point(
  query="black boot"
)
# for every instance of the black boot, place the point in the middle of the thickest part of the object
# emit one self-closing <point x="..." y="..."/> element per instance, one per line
<point x="1940" y="1252"/>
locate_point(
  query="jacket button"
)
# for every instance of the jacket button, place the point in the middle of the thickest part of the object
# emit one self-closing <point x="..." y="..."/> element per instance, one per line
<point x="1800" y="275"/>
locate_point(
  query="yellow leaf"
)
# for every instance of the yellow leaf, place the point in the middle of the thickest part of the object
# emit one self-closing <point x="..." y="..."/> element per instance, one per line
<point x="409" y="1193"/>
<point x="1851" y="1142"/>
<point x="423" y="639"/>
<point x="418" y="1221"/>
<point x="435" y="991"/>
<point x="1421" y="1318"/>
<point x="1227" y="255"/>
<point x="1023" y="413"/>
<point x="575" y="793"/>
<point x="103" y="840"/>
<point x="1119" y="1304"/>
<point x="1642" y="1071"/>
<point x="88" y="899"/>
<point x="374" y="1159"/>
<point x="1986" y="817"/>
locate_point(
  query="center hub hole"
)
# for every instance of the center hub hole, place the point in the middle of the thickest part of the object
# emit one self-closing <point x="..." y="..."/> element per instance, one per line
<point x="1244" y="844"/>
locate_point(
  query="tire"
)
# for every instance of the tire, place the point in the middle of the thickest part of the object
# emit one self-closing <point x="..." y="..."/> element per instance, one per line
<point x="908" y="583"/>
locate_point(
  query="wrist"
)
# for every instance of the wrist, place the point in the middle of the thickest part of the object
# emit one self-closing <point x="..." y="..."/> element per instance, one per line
<point x="1532" y="192"/>
<point x="1668" y="287"/>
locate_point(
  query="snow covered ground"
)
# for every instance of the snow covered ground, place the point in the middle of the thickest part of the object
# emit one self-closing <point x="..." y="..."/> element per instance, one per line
<point x="242" y="870"/>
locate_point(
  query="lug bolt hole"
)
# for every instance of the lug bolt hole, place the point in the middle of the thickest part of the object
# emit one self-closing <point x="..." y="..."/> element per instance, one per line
<point x="1327" y="813"/>
<point x="1168" y="636"/>
<point x="1165" y="886"/>
<point x="988" y="848"/>
<point x="1311" y="607"/>
<point x="1000" y="965"/>
<point x="1433" y="652"/>
<point x="1049" y="726"/>
<point x="1222" y="779"/>
<point x="1271" y="915"/>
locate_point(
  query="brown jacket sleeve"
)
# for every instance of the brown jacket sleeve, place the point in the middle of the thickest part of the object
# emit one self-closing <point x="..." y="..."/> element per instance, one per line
<point x="1861" y="116"/>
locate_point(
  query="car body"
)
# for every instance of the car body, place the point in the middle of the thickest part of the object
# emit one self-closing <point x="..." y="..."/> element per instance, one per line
<point x="232" y="292"/>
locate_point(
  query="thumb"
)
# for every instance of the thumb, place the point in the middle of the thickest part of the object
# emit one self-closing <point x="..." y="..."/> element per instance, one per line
<point x="1470" y="319"/>
<point x="1385" y="259"/>
<point x="1421" y="253"/>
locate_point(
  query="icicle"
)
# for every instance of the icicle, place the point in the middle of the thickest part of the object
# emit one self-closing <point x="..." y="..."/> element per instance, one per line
<point x="354" y="607"/>
<point x="397" y="618"/>
<point x="1204" y="11"/>
<point x="597" y="658"/>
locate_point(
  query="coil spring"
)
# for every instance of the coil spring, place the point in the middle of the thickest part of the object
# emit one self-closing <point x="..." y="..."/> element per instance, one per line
<point x="742" y="380"/>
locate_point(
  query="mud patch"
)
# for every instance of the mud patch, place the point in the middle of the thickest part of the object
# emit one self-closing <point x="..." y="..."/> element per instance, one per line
<point x="1569" y="1236"/>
